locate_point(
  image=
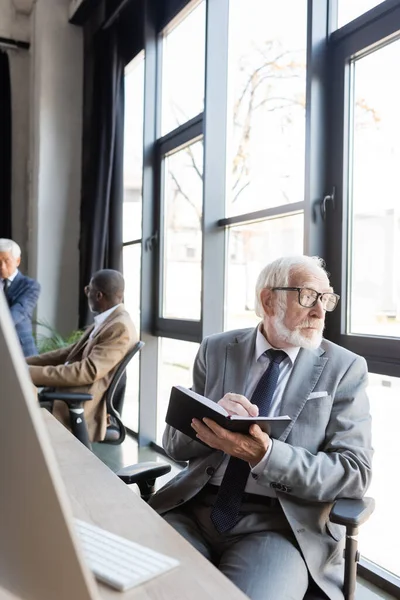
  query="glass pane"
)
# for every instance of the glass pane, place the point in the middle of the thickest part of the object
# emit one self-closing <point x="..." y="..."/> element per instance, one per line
<point x="182" y="232"/>
<point x="131" y="263"/>
<point x="176" y="360"/>
<point x="266" y="96"/>
<point x="351" y="9"/>
<point x="373" y="195"/>
<point x="133" y="149"/>
<point x="183" y="69"/>
<point x="250" y="248"/>
<point x="380" y="536"/>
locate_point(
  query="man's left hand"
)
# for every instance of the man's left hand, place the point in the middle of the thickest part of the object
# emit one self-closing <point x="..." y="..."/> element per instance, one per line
<point x="251" y="447"/>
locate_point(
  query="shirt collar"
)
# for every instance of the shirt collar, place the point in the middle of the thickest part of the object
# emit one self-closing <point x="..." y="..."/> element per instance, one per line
<point x="13" y="276"/>
<point x="262" y="345"/>
<point x="100" y="318"/>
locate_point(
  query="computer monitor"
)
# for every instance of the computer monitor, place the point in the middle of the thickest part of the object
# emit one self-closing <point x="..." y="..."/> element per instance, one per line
<point x="39" y="557"/>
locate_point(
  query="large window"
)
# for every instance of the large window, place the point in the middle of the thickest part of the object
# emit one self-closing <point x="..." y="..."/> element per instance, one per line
<point x="250" y="247"/>
<point x="266" y="138"/>
<point x="179" y="170"/>
<point x="384" y="394"/>
<point x="351" y="9"/>
<point x="133" y="150"/>
<point x="132" y="220"/>
<point x="183" y="67"/>
<point x="175" y="368"/>
<point x="266" y="104"/>
<point x="374" y="208"/>
<point x="183" y="209"/>
<point x="364" y="244"/>
<point x="131" y="266"/>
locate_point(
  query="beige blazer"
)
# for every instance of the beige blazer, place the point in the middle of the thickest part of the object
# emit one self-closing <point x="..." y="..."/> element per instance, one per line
<point x="90" y="366"/>
<point x="325" y="452"/>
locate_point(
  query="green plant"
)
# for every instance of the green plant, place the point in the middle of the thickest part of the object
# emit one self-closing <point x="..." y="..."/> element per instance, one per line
<point x="52" y="339"/>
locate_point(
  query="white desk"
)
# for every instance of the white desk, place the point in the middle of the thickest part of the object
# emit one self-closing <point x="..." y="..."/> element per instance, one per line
<point x="98" y="496"/>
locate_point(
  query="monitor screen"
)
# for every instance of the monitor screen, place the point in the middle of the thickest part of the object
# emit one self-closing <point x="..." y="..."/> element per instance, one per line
<point x="39" y="557"/>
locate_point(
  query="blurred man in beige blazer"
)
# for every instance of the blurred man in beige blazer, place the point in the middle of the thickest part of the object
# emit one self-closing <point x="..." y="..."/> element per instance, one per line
<point x="89" y="364"/>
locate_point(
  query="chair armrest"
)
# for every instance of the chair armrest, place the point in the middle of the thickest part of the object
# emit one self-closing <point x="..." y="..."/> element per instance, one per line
<point x="144" y="471"/>
<point x="68" y="397"/>
<point x="352" y="513"/>
<point x="144" y="474"/>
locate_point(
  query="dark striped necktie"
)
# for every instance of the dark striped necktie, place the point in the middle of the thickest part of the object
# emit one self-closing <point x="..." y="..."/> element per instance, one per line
<point x="6" y="285"/>
<point x="224" y="514"/>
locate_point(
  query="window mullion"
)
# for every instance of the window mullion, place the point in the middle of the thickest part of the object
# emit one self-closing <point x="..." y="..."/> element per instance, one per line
<point x="217" y="21"/>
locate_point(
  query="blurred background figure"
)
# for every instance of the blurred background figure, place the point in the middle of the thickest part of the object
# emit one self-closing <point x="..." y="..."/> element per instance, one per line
<point x="88" y="365"/>
<point x="21" y="293"/>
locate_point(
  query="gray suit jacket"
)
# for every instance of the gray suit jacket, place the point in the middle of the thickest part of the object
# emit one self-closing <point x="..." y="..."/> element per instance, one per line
<point x="325" y="452"/>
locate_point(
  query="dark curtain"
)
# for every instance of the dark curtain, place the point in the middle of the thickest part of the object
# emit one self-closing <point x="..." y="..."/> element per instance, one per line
<point x="102" y="182"/>
<point x="5" y="147"/>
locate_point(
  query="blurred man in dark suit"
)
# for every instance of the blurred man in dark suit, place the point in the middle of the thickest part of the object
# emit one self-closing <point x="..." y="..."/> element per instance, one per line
<point x="21" y="293"/>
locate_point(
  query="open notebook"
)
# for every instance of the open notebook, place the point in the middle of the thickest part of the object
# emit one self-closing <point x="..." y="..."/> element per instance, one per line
<point x="185" y="405"/>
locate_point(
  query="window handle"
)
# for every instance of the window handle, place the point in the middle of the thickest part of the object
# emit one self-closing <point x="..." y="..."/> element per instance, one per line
<point x="328" y="198"/>
<point x="151" y="242"/>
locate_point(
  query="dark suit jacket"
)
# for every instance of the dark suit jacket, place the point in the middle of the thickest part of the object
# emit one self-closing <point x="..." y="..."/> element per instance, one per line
<point x="22" y="296"/>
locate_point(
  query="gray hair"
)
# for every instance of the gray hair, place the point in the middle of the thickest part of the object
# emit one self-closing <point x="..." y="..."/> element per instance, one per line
<point x="10" y="246"/>
<point x="278" y="272"/>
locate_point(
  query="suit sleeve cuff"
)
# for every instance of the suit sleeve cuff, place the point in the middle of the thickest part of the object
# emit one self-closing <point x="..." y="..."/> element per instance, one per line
<point x="259" y="468"/>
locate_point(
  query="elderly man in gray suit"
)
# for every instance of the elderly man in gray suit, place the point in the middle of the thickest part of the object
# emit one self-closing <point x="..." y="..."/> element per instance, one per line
<point x="258" y="507"/>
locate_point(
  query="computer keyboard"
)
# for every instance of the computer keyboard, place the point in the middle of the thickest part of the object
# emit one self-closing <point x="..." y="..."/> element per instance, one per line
<point x="120" y="563"/>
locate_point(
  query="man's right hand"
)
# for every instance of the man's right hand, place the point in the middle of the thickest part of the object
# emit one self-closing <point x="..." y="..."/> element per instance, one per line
<point x="236" y="404"/>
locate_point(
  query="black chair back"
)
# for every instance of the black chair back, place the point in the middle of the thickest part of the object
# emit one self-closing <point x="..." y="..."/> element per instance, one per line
<point x="114" y="398"/>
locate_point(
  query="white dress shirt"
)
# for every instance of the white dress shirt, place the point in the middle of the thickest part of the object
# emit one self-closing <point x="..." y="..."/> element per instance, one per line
<point x="257" y="368"/>
<point x="100" y="318"/>
<point x="11" y="278"/>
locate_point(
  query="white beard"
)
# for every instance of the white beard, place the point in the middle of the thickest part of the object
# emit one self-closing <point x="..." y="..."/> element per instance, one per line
<point x="296" y="338"/>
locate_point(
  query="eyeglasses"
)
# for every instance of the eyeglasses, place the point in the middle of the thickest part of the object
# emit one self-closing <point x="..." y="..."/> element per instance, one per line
<point x="309" y="298"/>
<point x="88" y="288"/>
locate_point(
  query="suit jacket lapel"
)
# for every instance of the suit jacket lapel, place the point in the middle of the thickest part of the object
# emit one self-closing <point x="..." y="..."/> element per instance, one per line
<point x="239" y="357"/>
<point x="114" y="314"/>
<point x="78" y="348"/>
<point x="303" y="379"/>
<point x="14" y="286"/>
<point x="80" y="343"/>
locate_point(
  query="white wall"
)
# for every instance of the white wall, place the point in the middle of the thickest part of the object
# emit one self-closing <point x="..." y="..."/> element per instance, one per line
<point x="47" y="100"/>
<point x="56" y="132"/>
<point x="13" y="24"/>
<point x="17" y="26"/>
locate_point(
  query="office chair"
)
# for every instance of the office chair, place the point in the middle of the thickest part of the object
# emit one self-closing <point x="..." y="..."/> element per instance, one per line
<point x="350" y="513"/>
<point x="144" y="476"/>
<point x="114" y="398"/>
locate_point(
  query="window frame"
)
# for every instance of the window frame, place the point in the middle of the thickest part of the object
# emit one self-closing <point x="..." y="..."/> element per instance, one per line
<point x="380" y="352"/>
<point x="185" y="134"/>
<point x="136" y="241"/>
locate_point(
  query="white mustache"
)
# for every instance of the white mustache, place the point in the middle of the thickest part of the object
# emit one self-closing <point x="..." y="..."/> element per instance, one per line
<point x="315" y="323"/>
